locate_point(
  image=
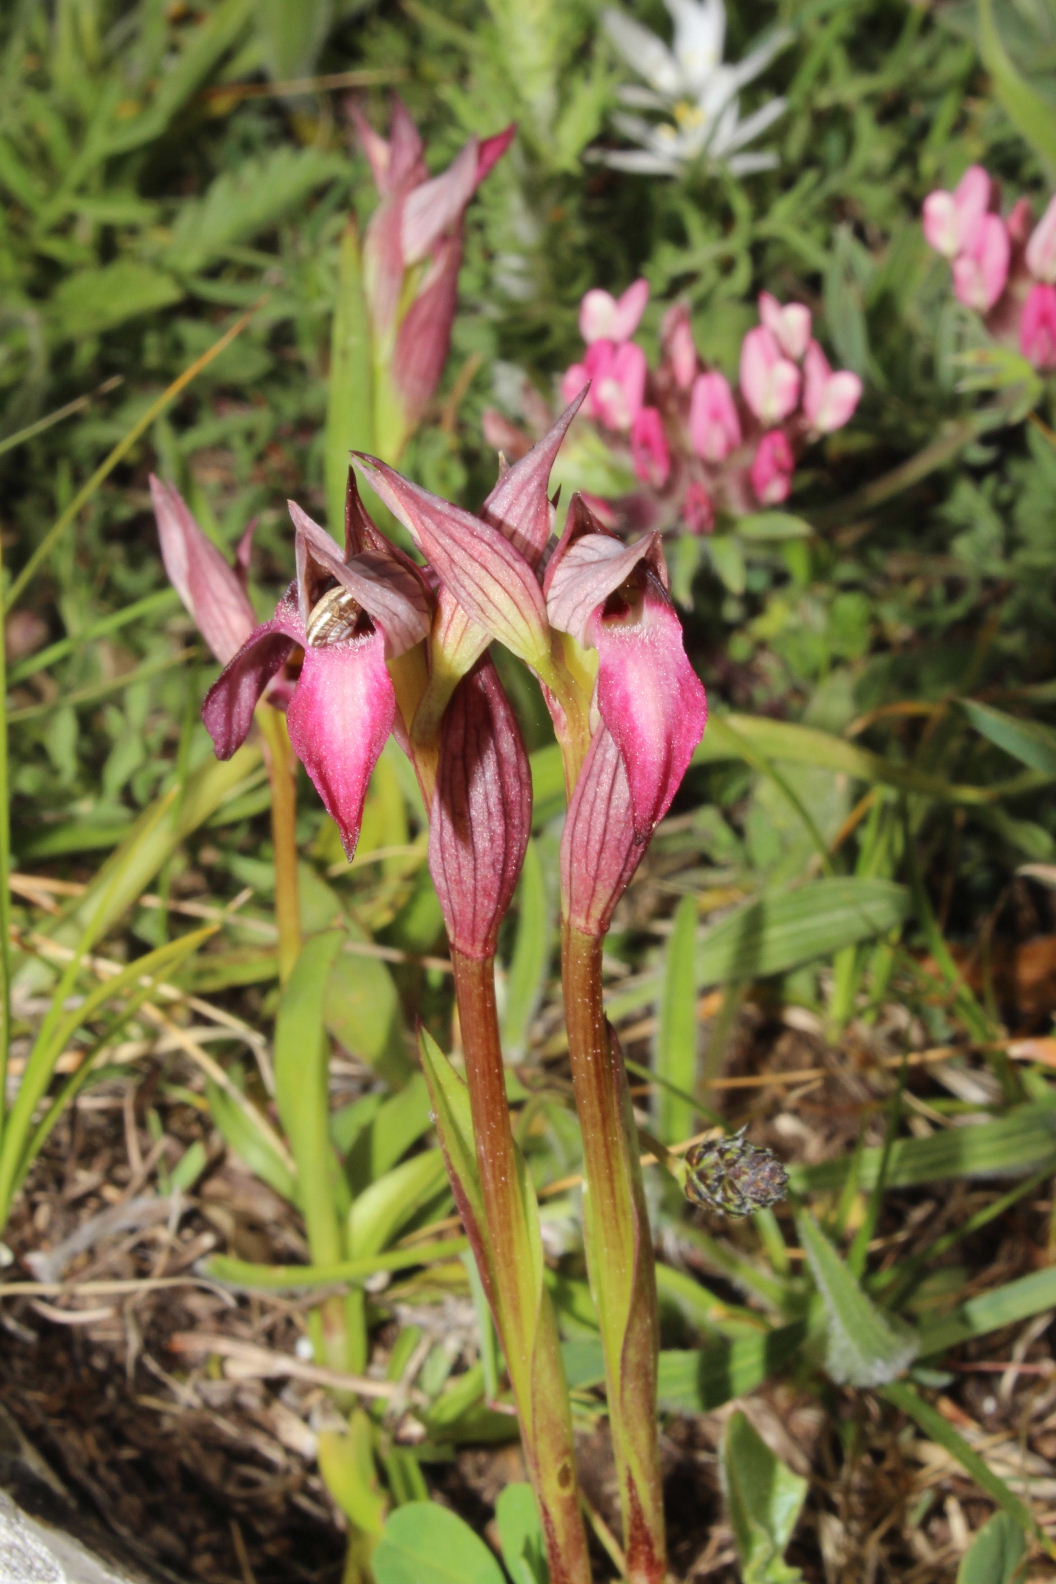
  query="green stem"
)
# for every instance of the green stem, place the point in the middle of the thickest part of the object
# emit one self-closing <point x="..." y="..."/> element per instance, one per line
<point x="619" y="1254"/>
<point x="523" y="1312"/>
<point x="282" y="773"/>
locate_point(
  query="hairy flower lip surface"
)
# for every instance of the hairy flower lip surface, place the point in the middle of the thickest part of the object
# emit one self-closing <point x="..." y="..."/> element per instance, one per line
<point x="392" y="593"/>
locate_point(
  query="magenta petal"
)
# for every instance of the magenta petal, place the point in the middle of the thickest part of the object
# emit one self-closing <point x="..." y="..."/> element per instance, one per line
<point x="230" y="702"/>
<point x="212" y="591"/>
<point x="651" y="700"/>
<point x="599" y="849"/>
<point x="585" y="572"/>
<point x="339" y="719"/>
<point x="520" y="503"/>
<point x="488" y="577"/>
<point x="481" y="815"/>
<point x="424" y="337"/>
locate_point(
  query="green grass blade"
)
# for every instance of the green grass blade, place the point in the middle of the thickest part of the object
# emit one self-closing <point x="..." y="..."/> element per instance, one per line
<point x="676" y="1042"/>
<point x="1028" y="741"/>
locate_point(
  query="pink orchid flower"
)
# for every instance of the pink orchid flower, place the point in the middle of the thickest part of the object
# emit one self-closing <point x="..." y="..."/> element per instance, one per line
<point x="612" y="598"/>
<point x="714" y="426"/>
<point x="788" y="323"/>
<point x="603" y="317"/>
<point x="829" y="399"/>
<point x="952" y="220"/>
<point x="617" y="375"/>
<point x="412" y="252"/>
<point x="769" y="382"/>
<point x="1037" y="327"/>
<point x="980" y="270"/>
<point x="680" y="355"/>
<point x="348" y="614"/>
<point x="772" y="468"/>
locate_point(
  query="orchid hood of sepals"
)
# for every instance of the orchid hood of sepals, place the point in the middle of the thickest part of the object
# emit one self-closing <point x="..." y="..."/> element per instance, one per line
<point x="487" y="565"/>
<point x="209" y="587"/>
<point x="481" y="815"/>
<point x="613" y="598"/>
<point x="347" y="614"/>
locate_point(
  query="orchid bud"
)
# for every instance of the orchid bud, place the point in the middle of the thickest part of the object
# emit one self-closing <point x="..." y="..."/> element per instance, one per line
<point x="618" y="374"/>
<point x="769" y="382"/>
<point x="698" y="508"/>
<point x="679" y="348"/>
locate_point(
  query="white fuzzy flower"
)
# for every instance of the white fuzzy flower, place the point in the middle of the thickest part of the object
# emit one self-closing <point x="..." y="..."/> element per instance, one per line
<point x="693" y="90"/>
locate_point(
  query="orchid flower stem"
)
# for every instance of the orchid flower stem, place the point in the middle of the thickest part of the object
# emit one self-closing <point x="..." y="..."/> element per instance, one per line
<point x="282" y="773"/>
<point x="619" y="1254"/>
<point x="514" y="1281"/>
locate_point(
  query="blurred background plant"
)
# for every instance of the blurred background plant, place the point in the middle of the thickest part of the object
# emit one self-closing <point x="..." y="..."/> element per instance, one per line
<point x="844" y="935"/>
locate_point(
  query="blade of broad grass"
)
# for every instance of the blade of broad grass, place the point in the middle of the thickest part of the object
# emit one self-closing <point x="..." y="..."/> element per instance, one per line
<point x="147" y="847"/>
<point x="1030" y="742"/>
<point x="20" y="436"/>
<point x="57" y="1030"/>
<point x="118" y="453"/>
<point x="905" y="1396"/>
<point x="302" y="1093"/>
<point x="786" y="740"/>
<point x="1014" y="1145"/>
<point x="1016" y="1300"/>
<point x="676" y="1040"/>
<point x="1032" y="115"/>
<point x="785" y="929"/>
<point x="995" y="1554"/>
<point x="285" y="1278"/>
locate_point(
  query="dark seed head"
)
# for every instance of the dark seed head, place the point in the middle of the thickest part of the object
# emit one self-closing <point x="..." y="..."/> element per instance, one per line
<point x="733" y="1176"/>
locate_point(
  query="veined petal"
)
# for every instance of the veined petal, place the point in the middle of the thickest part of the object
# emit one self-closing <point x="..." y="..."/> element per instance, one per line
<point x="210" y="589"/>
<point x="230" y="702"/>
<point x="436" y="206"/>
<point x="649" y="696"/>
<point x="584" y="573"/>
<point x="487" y="575"/>
<point x="481" y="815"/>
<point x="599" y="849"/>
<point x="339" y="718"/>
<point x="519" y="505"/>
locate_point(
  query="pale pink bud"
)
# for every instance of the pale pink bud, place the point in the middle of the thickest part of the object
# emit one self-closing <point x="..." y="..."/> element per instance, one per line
<point x="769" y="382"/>
<point x="1020" y="222"/>
<point x="211" y="590"/>
<point x="649" y="448"/>
<point x="1041" y="249"/>
<point x="788" y="323"/>
<point x="608" y="318"/>
<point x="679" y="348"/>
<point x="714" y="427"/>
<point x="980" y="272"/>
<point x="829" y="399"/>
<point x="1037" y="327"/>
<point x="952" y="220"/>
<point x="698" y="509"/>
<point x="618" y="389"/>
<point x="772" y="468"/>
<point x="573" y="381"/>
